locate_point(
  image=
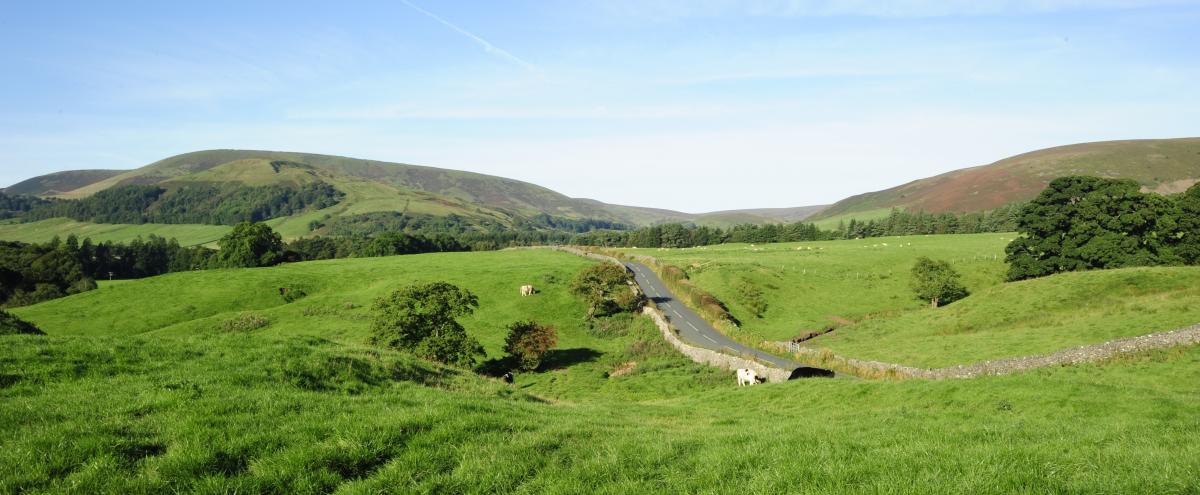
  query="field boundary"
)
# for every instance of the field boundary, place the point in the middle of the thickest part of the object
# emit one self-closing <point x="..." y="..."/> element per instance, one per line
<point x="1066" y="357"/>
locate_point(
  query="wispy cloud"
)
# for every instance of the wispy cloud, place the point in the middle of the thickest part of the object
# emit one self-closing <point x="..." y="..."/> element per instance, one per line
<point x="672" y="9"/>
<point x="487" y="45"/>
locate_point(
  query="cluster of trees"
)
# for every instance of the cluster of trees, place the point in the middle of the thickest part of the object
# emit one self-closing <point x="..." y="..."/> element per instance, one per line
<point x="470" y="234"/>
<point x="899" y="222"/>
<point x="32" y="273"/>
<point x="423" y="319"/>
<point x="1083" y="223"/>
<point x="386" y="244"/>
<point x="217" y="204"/>
<point x="13" y="206"/>
<point x="1002" y="219"/>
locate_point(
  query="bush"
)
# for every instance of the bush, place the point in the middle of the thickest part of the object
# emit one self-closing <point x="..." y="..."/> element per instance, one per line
<point x="937" y="282"/>
<point x="528" y="341"/>
<point x="420" y="318"/>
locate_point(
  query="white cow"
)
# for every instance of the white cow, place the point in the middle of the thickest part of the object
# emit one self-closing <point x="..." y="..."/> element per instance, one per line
<point x="746" y="377"/>
<point x="526" y="290"/>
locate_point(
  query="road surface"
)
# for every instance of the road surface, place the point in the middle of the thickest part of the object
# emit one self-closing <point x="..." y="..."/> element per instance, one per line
<point x="692" y="328"/>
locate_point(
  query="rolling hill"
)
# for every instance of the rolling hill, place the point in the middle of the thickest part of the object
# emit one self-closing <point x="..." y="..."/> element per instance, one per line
<point x="60" y="182"/>
<point x="384" y="186"/>
<point x="1161" y="165"/>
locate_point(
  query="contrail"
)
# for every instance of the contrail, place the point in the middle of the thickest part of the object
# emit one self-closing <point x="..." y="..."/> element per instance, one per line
<point x="487" y="46"/>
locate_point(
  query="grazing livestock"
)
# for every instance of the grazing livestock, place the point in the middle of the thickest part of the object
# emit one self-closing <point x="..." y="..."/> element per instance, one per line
<point x="507" y="377"/>
<point x="527" y="290"/>
<point x="746" y="377"/>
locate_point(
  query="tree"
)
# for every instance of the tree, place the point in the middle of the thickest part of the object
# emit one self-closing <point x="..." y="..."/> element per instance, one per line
<point x="249" y="245"/>
<point x="605" y="287"/>
<point x="937" y="282"/>
<point x="528" y="341"/>
<point x="1083" y="223"/>
<point x="1189" y="226"/>
<point x="420" y="318"/>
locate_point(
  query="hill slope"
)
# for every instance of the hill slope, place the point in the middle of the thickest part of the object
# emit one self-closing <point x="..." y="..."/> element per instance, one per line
<point x="1163" y="165"/>
<point x="60" y="182"/>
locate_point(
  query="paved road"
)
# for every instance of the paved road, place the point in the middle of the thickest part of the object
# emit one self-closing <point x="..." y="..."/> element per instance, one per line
<point x="692" y="328"/>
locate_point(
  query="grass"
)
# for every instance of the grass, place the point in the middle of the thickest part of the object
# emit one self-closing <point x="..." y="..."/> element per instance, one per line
<point x="44" y="230"/>
<point x="247" y="413"/>
<point x="1032" y="317"/>
<point x="138" y="389"/>
<point x="810" y="285"/>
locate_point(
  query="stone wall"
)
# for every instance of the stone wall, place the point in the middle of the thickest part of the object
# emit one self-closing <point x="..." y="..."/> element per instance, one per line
<point x="711" y="357"/>
<point x="1076" y="355"/>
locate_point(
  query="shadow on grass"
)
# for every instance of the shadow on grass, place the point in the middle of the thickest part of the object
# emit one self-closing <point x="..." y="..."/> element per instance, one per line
<point x="562" y="358"/>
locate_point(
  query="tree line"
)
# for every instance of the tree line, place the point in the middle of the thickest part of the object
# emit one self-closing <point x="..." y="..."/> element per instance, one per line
<point x="897" y="223"/>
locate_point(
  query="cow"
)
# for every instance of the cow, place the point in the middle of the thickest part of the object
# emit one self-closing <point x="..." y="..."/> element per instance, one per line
<point x="527" y="290"/>
<point x="507" y="377"/>
<point x="746" y="377"/>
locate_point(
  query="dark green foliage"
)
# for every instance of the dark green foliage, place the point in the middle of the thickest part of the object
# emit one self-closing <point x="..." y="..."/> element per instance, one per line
<point x="937" y="282"/>
<point x="898" y="223"/>
<point x="218" y="204"/>
<point x="1188" y="243"/>
<point x="32" y="273"/>
<point x="528" y="341"/>
<point x="421" y="318"/>
<point x="606" y="289"/>
<point x="11" y="325"/>
<point x="249" y="245"/>
<point x="17" y="205"/>
<point x="1083" y="223"/>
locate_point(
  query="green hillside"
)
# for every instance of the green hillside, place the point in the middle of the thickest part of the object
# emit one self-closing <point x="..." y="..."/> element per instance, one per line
<point x="809" y="285"/>
<point x="138" y="390"/>
<point x="60" y="182"/>
<point x="44" y="230"/>
<point x="1036" y="316"/>
<point x="1162" y="165"/>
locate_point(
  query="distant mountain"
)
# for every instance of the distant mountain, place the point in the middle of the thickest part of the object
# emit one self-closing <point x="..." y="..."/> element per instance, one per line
<point x="1162" y="165"/>
<point x="376" y="186"/>
<point x="60" y="182"/>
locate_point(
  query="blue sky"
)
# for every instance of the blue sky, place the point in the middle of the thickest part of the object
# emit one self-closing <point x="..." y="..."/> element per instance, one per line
<point x="690" y="105"/>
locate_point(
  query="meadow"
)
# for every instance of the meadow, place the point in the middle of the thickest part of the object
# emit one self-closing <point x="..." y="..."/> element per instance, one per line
<point x="138" y="388"/>
<point x="44" y="230"/>
<point x="810" y="285"/>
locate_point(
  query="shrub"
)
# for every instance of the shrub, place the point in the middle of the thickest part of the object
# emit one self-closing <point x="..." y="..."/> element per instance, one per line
<point x="420" y="318"/>
<point x="528" y="341"/>
<point x="937" y="282"/>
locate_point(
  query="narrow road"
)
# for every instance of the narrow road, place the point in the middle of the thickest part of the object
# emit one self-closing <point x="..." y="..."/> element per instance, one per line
<point x="692" y="328"/>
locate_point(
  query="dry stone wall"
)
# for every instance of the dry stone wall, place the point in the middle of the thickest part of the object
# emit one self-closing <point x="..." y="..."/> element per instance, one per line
<point x="711" y="357"/>
<point x="1076" y="355"/>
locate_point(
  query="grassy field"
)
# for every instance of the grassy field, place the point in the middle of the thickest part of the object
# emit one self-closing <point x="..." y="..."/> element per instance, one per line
<point x="809" y="285"/>
<point x="1031" y="317"/>
<point x="44" y="230"/>
<point x="137" y="390"/>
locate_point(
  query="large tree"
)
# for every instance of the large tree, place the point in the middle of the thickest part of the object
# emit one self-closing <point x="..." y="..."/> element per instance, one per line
<point x="420" y="318"/>
<point x="605" y="287"/>
<point x="1081" y="223"/>
<point x="1189" y="226"/>
<point x="249" y="245"/>
<point x="937" y="282"/>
